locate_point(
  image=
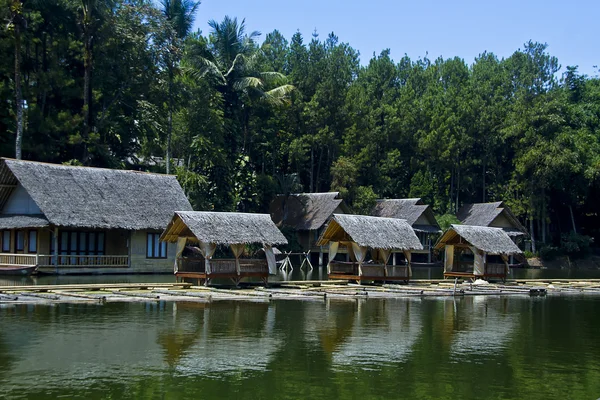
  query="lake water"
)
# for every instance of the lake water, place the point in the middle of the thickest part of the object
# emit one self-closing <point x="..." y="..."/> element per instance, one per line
<point x="432" y="348"/>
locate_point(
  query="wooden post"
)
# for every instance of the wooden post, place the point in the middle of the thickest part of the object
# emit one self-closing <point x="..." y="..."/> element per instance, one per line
<point x="321" y="258"/>
<point x="56" y="249"/>
<point x="394" y="259"/>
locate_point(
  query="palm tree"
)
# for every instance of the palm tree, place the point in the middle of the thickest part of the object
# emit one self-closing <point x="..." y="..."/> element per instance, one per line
<point x="179" y="15"/>
<point x="232" y="62"/>
<point x="17" y="22"/>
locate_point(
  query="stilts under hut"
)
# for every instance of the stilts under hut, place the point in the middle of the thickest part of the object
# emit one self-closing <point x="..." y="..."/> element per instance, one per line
<point x="231" y="232"/>
<point x="369" y="241"/>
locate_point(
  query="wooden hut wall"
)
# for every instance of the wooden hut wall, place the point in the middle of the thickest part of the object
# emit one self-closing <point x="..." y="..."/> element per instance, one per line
<point x="140" y="263"/>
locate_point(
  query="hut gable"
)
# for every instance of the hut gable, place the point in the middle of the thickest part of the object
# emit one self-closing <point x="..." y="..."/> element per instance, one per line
<point x="495" y="214"/>
<point x="224" y="228"/>
<point x="489" y="240"/>
<point x="305" y="211"/>
<point x="20" y="202"/>
<point x="373" y="232"/>
<point x="418" y="215"/>
<point x="85" y="197"/>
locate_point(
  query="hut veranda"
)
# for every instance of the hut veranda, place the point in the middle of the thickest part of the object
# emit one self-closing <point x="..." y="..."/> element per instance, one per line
<point x="368" y="241"/>
<point x="476" y="252"/>
<point x="69" y="219"/>
<point x="231" y="233"/>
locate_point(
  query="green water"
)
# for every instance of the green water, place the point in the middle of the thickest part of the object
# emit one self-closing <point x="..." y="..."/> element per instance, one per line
<point x="468" y="348"/>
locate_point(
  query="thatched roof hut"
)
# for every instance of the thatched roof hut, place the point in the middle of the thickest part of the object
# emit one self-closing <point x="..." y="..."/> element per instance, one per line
<point x="85" y="197"/>
<point x="305" y="211"/>
<point x="418" y="215"/>
<point x="223" y="228"/>
<point x="372" y="232"/>
<point x="495" y="214"/>
<point x="489" y="240"/>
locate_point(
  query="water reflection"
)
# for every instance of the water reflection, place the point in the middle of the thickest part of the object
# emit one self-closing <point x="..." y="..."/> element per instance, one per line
<point x="219" y="337"/>
<point x="474" y="347"/>
<point x="363" y="333"/>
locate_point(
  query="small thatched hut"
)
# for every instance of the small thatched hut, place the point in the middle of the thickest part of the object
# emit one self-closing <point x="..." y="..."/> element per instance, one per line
<point x="307" y="214"/>
<point x="476" y="252"/>
<point x="493" y="215"/>
<point x="369" y="242"/>
<point x="67" y="219"/>
<point x="419" y="216"/>
<point x="234" y="230"/>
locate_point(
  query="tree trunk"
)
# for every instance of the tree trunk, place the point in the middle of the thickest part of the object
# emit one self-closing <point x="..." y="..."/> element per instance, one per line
<point x="312" y="168"/>
<point x="18" y="94"/>
<point x="572" y="219"/>
<point x="87" y="89"/>
<point x="544" y="216"/>
<point x="169" y="121"/>
<point x="483" y="182"/>
<point x="532" y="232"/>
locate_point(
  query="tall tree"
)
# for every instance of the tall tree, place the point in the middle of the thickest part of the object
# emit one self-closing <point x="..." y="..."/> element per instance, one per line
<point x="179" y="15"/>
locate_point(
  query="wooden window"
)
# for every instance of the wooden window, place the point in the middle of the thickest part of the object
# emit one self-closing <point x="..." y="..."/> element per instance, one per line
<point x="6" y="241"/>
<point x="79" y="243"/>
<point x="32" y="245"/>
<point x="154" y="248"/>
<point x="20" y="240"/>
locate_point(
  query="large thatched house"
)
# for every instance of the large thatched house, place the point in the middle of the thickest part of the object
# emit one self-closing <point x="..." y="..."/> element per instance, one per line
<point x="419" y="216"/>
<point x="493" y="215"/>
<point x="67" y="219"/>
<point x="307" y="214"/>
<point x="476" y="252"/>
<point x="368" y="241"/>
<point x="234" y="231"/>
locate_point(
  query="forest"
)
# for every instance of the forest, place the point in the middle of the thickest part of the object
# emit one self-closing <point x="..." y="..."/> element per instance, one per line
<point x="240" y="117"/>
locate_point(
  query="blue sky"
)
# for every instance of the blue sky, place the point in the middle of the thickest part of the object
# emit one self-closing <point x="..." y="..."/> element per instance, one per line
<point x="461" y="28"/>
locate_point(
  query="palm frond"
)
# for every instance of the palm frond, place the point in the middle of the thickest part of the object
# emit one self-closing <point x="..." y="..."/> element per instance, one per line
<point x="279" y="94"/>
<point x="247" y="82"/>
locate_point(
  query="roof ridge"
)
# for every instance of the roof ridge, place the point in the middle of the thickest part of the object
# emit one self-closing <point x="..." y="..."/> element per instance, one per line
<point x="54" y="165"/>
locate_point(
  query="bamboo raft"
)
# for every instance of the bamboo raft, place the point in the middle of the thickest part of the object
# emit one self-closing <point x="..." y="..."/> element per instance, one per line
<point x="289" y="290"/>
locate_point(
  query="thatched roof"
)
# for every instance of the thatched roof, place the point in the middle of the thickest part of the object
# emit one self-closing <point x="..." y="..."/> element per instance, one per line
<point x="490" y="240"/>
<point x="85" y="197"/>
<point x="223" y="228"/>
<point x="305" y="211"/>
<point x="410" y="210"/>
<point x="484" y="214"/>
<point x="373" y="232"/>
<point x="22" y="221"/>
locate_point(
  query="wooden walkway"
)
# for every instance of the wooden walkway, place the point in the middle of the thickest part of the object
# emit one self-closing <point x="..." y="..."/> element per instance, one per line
<point x="290" y="290"/>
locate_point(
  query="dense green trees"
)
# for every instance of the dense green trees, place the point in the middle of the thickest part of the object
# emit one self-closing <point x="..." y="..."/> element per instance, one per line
<point x="124" y="83"/>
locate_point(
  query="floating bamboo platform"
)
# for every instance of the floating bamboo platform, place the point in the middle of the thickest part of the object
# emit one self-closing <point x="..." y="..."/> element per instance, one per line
<point x="288" y="290"/>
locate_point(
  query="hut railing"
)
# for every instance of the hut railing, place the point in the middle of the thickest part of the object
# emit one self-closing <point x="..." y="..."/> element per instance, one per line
<point x="64" y="260"/>
<point x="18" y="259"/>
<point x="227" y="266"/>
<point x="495" y="269"/>
<point x="223" y="266"/>
<point x="255" y="266"/>
<point x="196" y="265"/>
<point x="397" y="271"/>
<point x="343" y="267"/>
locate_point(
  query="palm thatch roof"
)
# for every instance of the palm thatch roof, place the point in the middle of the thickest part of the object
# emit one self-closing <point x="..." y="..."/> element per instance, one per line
<point x="410" y="210"/>
<point x="484" y="214"/>
<point x="22" y="221"/>
<point x="305" y="211"/>
<point x="223" y="228"/>
<point x="86" y="197"/>
<point x="372" y="232"/>
<point x="489" y="240"/>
